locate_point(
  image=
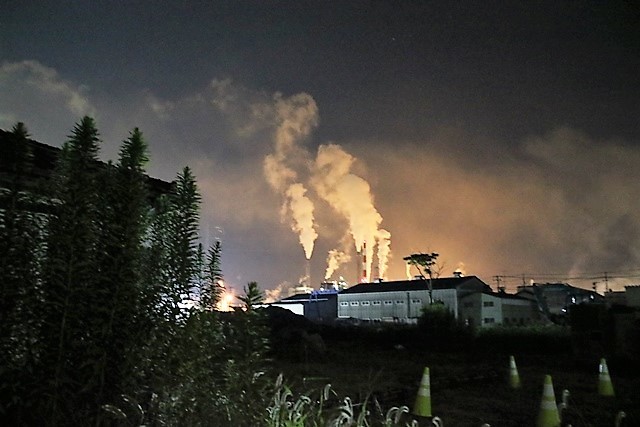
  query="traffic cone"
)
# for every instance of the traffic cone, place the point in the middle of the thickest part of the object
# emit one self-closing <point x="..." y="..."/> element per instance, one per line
<point x="605" y="387"/>
<point x="514" y="378"/>
<point x="548" y="415"/>
<point x="422" y="407"/>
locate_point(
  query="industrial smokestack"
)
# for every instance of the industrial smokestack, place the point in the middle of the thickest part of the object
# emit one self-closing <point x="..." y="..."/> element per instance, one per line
<point x="364" y="277"/>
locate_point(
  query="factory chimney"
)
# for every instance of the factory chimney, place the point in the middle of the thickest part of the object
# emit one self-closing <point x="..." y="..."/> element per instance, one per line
<point x="363" y="279"/>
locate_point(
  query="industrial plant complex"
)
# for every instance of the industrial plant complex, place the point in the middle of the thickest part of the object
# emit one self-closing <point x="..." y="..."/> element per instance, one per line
<point x="468" y="298"/>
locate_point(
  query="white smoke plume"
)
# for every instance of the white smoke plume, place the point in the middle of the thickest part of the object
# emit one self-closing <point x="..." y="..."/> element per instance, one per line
<point x="273" y="295"/>
<point x="335" y="258"/>
<point x="301" y="209"/>
<point x="384" y="251"/>
<point x="407" y="271"/>
<point x="351" y="196"/>
<point x="296" y="117"/>
<point x="460" y="269"/>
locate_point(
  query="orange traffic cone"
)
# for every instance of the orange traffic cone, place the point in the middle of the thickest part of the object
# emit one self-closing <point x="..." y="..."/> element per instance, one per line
<point x="422" y="407"/>
<point x="514" y="378"/>
<point x="548" y="415"/>
<point x="605" y="387"/>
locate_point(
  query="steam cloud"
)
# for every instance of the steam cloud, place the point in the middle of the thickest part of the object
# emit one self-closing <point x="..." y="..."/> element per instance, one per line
<point x="384" y="251"/>
<point x="407" y="270"/>
<point x="301" y="209"/>
<point x="332" y="179"/>
<point x="351" y="196"/>
<point x="335" y="259"/>
<point x="272" y="295"/>
<point x="296" y="117"/>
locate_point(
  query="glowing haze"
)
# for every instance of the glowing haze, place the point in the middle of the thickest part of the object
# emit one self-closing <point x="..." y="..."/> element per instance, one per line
<point x="505" y="138"/>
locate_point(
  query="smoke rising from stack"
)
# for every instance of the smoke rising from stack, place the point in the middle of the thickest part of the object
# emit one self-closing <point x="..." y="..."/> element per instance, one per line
<point x="273" y="295"/>
<point x="407" y="271"/>
<point x="335" y="259"/>
<point x="384" y="251"/>
<point x="460" y="270"/>
<point x="351" y="196"/>
<point x="296" y="117"/>
<point x="301" y="209"/>
<point x="289" y="164"/>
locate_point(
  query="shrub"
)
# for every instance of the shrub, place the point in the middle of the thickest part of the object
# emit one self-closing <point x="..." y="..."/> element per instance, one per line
<point x="532" y="339"/>
<point x="440" y="330"/>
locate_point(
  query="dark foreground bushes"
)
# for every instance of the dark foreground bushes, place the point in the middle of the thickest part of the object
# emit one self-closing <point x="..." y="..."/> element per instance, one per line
<point x="535" y="339"/>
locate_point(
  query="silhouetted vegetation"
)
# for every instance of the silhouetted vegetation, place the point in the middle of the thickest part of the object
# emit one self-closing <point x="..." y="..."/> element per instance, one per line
<point x="108" y="300"/>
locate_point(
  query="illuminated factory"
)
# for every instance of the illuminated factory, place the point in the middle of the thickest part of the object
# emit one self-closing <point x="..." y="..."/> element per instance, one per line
<point x="467" y="297"/>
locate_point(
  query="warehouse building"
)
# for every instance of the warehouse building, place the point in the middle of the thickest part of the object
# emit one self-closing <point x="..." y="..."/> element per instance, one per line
<point x="402" y="301"/>
<point x="487" y="308"/>
<point x="318" y="306"/>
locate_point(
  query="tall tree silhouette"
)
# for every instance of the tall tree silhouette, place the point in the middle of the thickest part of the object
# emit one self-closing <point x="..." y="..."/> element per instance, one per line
<point x="123" y="217"/>
<point x="69" y="357"/>
<point x="21" y="242"/>
<point x="183" y="247"/>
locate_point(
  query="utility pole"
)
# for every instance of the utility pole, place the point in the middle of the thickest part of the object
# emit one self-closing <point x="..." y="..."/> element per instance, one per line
<point x="498" y="279"/>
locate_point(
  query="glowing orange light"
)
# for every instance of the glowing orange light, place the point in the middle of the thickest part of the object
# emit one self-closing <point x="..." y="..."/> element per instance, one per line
<point x="226" y="298"/>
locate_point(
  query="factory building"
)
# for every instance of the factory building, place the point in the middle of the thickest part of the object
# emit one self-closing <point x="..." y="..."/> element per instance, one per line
<point x="629" y="297"/>
<point x="318" y="305"/>
<point x="402" y="301"/>
<point x="487" y="309"/>
<point x="632" y="296"/>
<point x="554" y="300"/>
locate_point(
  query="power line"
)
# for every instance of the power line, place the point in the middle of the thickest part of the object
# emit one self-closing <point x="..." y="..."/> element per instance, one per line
<point x="583" y="280"/>
<point x="606" y="276"/>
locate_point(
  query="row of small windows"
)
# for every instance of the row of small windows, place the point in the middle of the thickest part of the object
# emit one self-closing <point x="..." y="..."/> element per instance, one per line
<point x="377" y="303"/>
<point x="484" y="304"/>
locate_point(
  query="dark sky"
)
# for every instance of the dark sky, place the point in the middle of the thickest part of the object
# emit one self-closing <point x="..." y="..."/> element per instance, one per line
<point x="504" y="135"/>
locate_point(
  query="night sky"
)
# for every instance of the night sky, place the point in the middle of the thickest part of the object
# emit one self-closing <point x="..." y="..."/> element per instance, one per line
<point x="503" y="135"/>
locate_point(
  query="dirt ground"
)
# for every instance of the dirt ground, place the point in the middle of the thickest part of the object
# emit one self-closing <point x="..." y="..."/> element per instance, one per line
<point x="468" y="389"/>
